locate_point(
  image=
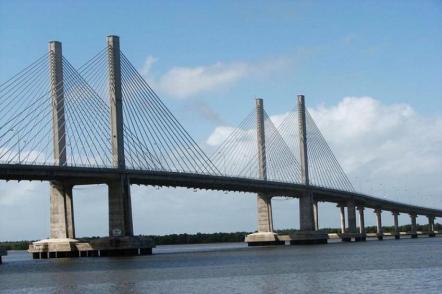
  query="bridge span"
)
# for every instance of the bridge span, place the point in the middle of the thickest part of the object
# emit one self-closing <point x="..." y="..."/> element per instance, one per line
<point x="75" y="133"/>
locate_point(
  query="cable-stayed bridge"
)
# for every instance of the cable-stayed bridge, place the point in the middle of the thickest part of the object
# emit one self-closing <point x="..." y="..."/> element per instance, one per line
<point x="103" y="124"/>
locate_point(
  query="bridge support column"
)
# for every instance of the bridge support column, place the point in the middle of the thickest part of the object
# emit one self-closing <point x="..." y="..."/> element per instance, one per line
<point x="316" y="214"/>
<point x="413" y="232"/>
<point x="342" y="217"/>
<point x="379" y="229"/>
<point x="397" y="233"/>
<point x="62" y="214"/>
<point x="362" y="223"/>
<point x="265" y="234"/>
<point x="431" y="226"/>
<point x="120" y="209"/>
<point x="351" y="233"/>
<point x="62" y="235"/>
<point x="307" y="233"/>
<point x="121" y="240"/>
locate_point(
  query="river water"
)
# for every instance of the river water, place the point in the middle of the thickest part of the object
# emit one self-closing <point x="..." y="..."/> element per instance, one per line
<point x="389" y="266"/>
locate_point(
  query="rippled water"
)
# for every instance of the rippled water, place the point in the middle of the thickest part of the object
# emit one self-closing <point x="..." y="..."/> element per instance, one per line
<point x="389" y="266"/>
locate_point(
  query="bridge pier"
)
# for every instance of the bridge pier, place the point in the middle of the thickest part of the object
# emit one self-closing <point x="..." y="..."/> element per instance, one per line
<point x="351" y="234"/>
<point x="265" y="234"/>
<point x="413" y="231"/>
<point x="379" y="228"/>
<point x="362" y="223"/>
<point x="307" y="233"/>
<point x="431" y="232"/>
<point x="397" y="233"/>
<point x="316" y="214"/>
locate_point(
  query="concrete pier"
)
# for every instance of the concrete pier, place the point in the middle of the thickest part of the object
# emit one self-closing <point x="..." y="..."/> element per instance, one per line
<point x="351" y="233"/>
<point x="362" y="223"/>
<point x="265" y="234"/>
<point x="379" y="228"/>
<point x="396" y="233"/>
<point x="307" y="233"/>
<point x="431" y="232"/>
<point x="342" y="217"/>
<point x="316" y="214"/>
<point x="413" y="232"/>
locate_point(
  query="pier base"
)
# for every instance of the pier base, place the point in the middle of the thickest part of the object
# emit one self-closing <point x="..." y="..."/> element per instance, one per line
<point x="263" y="239"/>
<point x="308" y="238"/>
<point x="349" y="237"/>
<point x="62" y="248"/>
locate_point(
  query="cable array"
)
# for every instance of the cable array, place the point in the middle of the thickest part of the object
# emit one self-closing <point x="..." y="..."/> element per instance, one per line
<point x="26" y="135"/>
<point x="324" y="168"/>
<point x="153" y="137"/>
<point x="237" y="155"/>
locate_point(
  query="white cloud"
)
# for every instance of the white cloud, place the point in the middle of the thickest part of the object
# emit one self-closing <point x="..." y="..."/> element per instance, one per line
<point x="182" y="82"/>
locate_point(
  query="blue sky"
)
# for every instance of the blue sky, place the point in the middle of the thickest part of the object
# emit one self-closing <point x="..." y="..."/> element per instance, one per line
<point x="210" y="59"/>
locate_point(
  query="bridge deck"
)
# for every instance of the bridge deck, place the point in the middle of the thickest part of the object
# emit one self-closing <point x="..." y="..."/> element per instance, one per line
<point x="85" y="176"/>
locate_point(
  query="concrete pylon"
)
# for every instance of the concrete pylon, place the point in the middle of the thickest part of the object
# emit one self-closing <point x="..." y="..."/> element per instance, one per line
<point x="120" y="208"/>
<point x="413" y="231"/>
<point x="307" y="233"/>
<point x="431" y="226"/>
<point x="362" y="223"/>
<point x="62" y="215"/>
<point x="62" y="236"/>
<point x="265" y="234"/>
<point x="379" y="228"/>
<point x="397" y="233"/>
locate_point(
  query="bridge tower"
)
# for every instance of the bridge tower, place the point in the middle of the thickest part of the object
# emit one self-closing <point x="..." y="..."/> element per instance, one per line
<point x="61" y="204"/>
<point x="307" y="233"/>
<point x="120" y="209"/>
<point x="265" y="234"/>
<point x="62" y="241"/>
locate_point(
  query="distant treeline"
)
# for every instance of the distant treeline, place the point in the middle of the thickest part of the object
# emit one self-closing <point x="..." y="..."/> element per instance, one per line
<point x="200" y="238"/>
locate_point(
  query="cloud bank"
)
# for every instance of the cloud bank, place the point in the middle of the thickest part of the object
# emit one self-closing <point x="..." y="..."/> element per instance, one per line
<point x="182" y="82"/>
